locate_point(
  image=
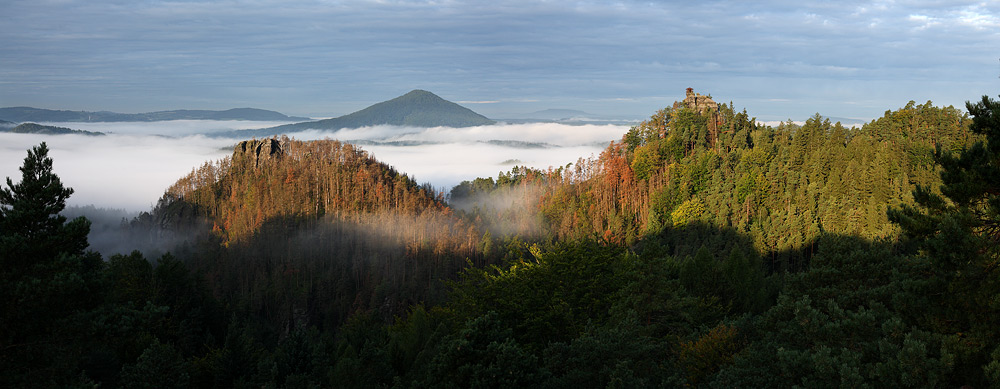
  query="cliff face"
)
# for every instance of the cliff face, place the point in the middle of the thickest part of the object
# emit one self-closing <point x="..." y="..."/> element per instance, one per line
<point x="260" y="151"/>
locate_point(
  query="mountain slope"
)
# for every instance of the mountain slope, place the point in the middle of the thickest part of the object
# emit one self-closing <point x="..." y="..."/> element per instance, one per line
<point x="784" y="185"/>
<point x="336" y="221"/>
<point x="418" y="108"/>
<point x="29" y="114"/>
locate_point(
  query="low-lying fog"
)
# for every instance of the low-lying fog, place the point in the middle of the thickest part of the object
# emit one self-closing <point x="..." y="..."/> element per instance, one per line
<point x="132" y="166"/>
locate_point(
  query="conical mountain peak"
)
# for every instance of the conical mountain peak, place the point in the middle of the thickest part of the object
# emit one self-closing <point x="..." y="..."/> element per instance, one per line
<point x="417" y="108"/>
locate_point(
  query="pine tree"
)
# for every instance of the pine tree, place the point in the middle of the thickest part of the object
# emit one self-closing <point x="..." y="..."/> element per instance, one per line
<point x="46" y="279"/>
<point x="29" y="215"/>
<point x="958" y="233"/>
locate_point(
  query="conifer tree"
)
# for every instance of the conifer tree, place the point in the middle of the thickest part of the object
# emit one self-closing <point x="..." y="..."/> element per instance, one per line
<point x="958" y="232"/>
<point x="46" y="278"/>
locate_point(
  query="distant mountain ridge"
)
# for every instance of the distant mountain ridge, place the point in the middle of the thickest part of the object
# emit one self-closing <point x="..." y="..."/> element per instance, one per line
<point x="34" y="128"/>
<point x="418" y="108"/>
<point x="30" y="114"/>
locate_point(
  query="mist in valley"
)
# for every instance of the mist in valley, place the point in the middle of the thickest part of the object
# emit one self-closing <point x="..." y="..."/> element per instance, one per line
<point x="117" y="177"/>
<point x="131" y="167"/>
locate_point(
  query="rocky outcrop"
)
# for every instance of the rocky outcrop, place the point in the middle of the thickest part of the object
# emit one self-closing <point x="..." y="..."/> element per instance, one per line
<point x="260" y="151"/>
<point x="698" y="102"/>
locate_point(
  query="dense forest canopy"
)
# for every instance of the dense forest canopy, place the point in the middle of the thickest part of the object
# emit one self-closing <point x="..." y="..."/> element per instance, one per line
<point x="702" y="249"/>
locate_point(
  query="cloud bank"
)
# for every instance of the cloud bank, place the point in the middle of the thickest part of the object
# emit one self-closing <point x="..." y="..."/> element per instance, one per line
<point x="114" y="171"/>
<point x="130" y="168"/>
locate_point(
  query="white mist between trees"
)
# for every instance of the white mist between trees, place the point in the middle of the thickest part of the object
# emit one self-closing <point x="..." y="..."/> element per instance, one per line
<point x="132" y="166"/>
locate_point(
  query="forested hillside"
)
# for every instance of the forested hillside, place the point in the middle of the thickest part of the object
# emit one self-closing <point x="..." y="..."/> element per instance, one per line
<point x="346" y="231"/>
<point x="703" y="249"/>
<point x="782" y="186"/>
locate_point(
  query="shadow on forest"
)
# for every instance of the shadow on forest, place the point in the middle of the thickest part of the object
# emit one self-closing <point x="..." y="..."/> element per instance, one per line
<point x="299" y="272"/>
<point x="695" y="296"/>
<point x="686" y="240"/>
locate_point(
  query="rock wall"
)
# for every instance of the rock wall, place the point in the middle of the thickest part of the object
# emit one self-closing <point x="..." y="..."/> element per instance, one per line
<point x="260" y="151"/>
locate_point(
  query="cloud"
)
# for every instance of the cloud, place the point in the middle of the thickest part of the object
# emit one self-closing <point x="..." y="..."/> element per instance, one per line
<point x="324" y="58"/>
<point x="114" y="171"/>
<point x="131" y="168"/>
<point x="551" y="133"/>
<point x="446" y="156"/>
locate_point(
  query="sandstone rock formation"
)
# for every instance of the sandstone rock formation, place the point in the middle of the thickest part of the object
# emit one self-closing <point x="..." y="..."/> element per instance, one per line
<point x="259" y="150"/>
<point x="698" y="102"/>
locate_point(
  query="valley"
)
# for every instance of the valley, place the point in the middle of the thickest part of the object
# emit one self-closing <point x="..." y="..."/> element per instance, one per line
<point x="700" y="247"/>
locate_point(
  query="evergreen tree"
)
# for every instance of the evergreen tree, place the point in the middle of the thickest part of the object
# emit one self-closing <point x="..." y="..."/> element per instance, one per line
<point x="159" y="366"/>
<point x="47" y="281"/>
<point x="957" y="232"/>
<point x="30" y="222"/>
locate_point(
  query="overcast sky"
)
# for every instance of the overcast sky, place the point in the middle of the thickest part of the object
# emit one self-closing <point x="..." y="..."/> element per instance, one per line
<point x="779" y="59"/>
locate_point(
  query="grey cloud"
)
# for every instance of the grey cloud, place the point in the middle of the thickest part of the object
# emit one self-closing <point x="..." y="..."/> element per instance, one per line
<point x="326" y="58"/>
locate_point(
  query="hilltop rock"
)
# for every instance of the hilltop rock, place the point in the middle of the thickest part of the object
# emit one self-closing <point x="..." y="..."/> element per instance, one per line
<point x="698" y="102"/>
<point x="260" y="151"/>
<point x="705" y="106"/>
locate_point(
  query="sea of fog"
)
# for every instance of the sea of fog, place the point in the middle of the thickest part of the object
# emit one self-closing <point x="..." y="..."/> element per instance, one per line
<point x="132" y="166"/>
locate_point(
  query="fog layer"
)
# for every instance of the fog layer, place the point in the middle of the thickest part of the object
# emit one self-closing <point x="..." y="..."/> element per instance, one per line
<point x="132" y="166"/>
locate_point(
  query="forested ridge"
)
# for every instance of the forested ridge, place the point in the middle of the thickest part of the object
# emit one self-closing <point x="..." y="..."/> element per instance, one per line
<point x="29" y="114"/>
<point x="703" y="249"/>
<point x="35" y="128"/>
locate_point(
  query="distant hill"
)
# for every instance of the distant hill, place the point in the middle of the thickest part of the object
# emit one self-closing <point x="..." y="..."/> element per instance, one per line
<point x="6" y="124"/>
<point x="29" y="114"/>
<point x="419" y="108"/>
<point x="34" y="128"/>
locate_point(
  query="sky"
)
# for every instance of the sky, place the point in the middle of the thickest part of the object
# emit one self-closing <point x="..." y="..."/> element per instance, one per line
<point x="779" y="59"/>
